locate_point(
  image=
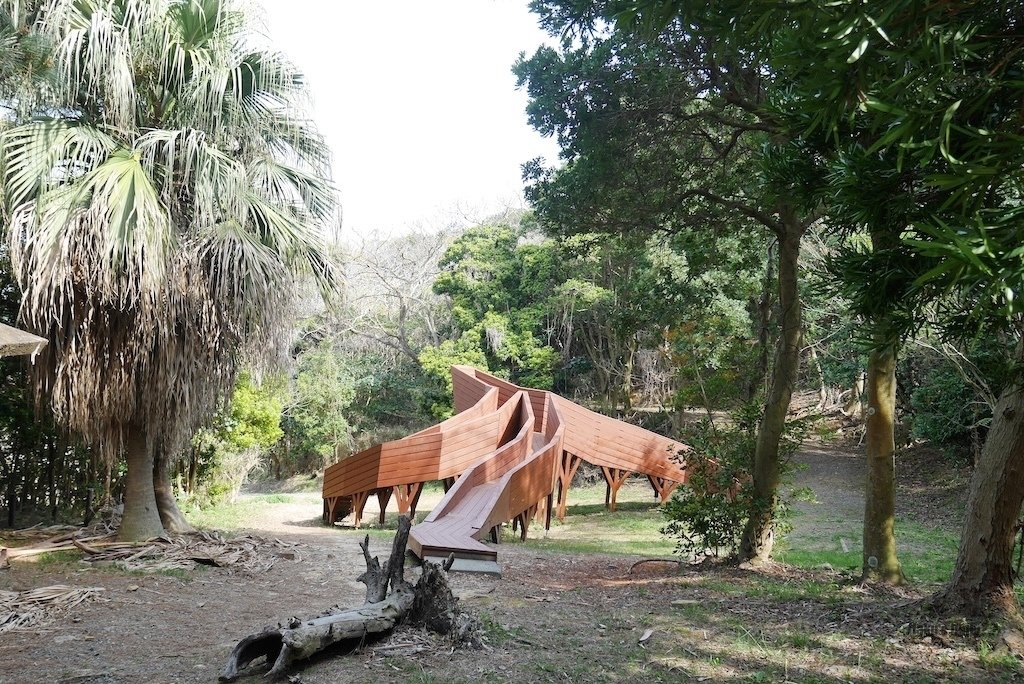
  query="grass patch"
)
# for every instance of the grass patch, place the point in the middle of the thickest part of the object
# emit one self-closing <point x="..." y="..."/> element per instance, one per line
<point x="927" y="554"/>
<point x="634" y="529"/>
<point x="237" y="515"/>
<point x="57" y="561"/>
<point x="278" y="498"/>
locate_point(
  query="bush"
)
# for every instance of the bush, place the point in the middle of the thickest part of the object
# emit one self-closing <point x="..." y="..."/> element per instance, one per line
<point x="708" y="515"/>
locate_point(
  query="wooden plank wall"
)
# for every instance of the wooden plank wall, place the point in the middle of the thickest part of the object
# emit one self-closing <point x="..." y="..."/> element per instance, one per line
<point x="495" y="464"/>
<point x="605" y="441"/>
<point x="529" y="481"/>
<point x="490" y="438"/>
<point x="506" y="390"/>
<point x="596" y="438"/>
<point x="440" y="451"/>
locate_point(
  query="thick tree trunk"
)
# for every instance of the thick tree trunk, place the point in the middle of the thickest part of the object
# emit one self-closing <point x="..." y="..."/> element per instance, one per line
<point x="880" y="563"/>
<point x="853" y="408"/>
<point x="193" y="470"/>
<point x="982" y="582"/>
<point x="627" y="374"/>
<point x="141" y="519"/>
<point x="759" y="533"/>
<point x="170" y="515"/>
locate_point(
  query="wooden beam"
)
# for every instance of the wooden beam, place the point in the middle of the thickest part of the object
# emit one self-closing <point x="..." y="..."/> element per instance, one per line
<point x="614" y="477"/>
<point x="358" y="504"/>
<point x="383" y="496"/>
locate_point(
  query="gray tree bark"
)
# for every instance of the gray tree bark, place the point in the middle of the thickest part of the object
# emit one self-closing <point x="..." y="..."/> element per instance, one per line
<point x="141" y="519"/>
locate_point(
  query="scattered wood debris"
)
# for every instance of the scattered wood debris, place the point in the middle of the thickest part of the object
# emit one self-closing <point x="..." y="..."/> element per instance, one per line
<point x="20" y="610"/>
<point x="248" y="553"/>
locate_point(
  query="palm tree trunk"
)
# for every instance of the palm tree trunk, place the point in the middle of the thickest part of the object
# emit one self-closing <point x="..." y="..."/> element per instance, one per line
<point x="759" y="533"/>
<point x="880" y="563"/>
<point x="170" y="515"/>
<point x="141" y="518"/>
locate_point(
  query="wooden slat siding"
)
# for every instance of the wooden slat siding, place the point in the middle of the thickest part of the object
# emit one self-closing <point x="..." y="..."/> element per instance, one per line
<point x="506" y="390"/>
<point x="523" y="486"/>
<point x="384" y="465"/>
<point x="605" y="441"/>
<point x="538" y="398"/>
<point x="532" y="480"/>
<point x="525" y="474"/>
<point x="467" y="389"/>
<point x="608" y="442"/>
<point x="484" y="469"/>
<point x="353" y="464"/>
<point x="355" y="474"/>
<point x="358" y="470"/>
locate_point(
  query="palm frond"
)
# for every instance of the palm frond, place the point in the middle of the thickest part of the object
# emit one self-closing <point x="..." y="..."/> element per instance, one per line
<point x="38" y="156"/>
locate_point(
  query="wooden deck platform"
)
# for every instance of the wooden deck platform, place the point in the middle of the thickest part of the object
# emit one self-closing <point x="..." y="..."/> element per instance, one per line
<point x="509" y="454"/>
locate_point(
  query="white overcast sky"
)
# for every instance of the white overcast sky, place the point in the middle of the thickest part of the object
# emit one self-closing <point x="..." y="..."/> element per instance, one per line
<point x="418" y="102"/>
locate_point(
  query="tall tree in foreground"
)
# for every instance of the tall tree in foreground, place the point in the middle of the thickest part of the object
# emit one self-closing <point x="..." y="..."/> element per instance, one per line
<point x="162" y="205"/>
<point x="937" y="87"/>
<point x="671" y="131"/>
<point x="881" y="212"/>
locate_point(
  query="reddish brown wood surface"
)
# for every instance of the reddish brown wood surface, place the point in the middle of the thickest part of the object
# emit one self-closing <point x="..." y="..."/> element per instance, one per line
<point x="513" y="450"/>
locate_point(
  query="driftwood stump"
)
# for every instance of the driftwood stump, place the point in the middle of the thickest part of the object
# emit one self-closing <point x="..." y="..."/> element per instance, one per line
<point x="429" y="603"/>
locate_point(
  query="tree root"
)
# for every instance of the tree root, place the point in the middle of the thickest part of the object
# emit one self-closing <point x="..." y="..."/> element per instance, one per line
<point x="634" y="566"/>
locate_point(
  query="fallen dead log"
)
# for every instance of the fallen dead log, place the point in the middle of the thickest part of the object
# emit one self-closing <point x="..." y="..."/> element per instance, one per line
<point x="428" y="603"/>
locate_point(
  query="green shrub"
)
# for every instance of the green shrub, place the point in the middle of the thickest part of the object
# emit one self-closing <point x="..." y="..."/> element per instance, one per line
<point x="707" y="516"/>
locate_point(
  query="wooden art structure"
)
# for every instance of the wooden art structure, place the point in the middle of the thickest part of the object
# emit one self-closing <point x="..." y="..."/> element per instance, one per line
<point x="509" y="454"/>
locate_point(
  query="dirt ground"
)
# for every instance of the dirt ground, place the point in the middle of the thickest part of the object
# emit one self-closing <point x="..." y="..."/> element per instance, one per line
<point x="552" y="617"/>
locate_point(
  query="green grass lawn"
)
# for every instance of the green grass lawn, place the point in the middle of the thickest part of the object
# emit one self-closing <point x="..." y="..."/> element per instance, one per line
<point x="241" y="513"/>
<point x="927" y="553"/>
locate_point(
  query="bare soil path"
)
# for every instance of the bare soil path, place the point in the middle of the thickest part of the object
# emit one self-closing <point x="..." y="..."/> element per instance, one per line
<point x="554" y="616"/>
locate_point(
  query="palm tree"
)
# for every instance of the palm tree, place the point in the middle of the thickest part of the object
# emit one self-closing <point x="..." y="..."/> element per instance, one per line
<point x="161" y="208"/>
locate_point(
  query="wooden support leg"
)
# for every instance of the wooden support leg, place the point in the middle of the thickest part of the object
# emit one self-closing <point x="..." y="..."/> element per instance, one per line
<point x="358" y="504"/>
<point x="547" y="511"/>
<point x="655" y="484"/>
<point x="663" y="487"/>
<point x="524" y="519"/>
<point x="540" y="509"/>
<point x="415" y="500"/>
<point x="408" y="496"/>
<point x="383" y="496"/>
<point x="447" y="483"/>
<point x="567" y="468"/>
<point x="327" y="512"/>
<point x="614" y="477"/>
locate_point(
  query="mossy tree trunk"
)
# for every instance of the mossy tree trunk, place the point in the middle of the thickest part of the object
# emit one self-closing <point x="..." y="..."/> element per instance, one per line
<point x="982" y="582"/>
<point x="880" y="563"/>
<point x="879" y="560"/>
<point x="167" y="505"/>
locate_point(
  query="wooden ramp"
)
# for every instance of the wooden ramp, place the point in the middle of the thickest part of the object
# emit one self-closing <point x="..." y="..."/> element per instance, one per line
<point x="509" y="454"/>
